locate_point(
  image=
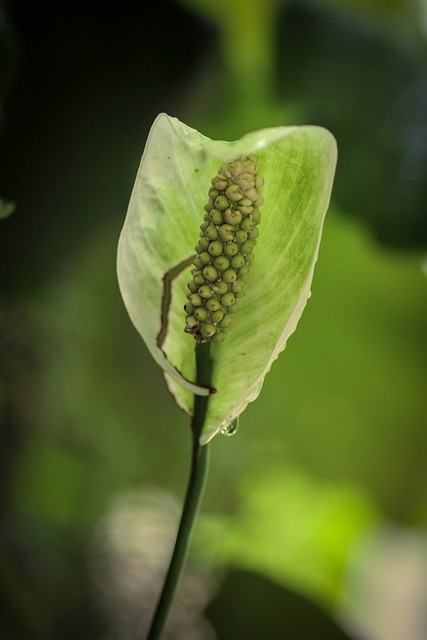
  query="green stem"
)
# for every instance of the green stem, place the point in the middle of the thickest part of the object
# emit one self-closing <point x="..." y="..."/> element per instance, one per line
<point x="193" y="497"/>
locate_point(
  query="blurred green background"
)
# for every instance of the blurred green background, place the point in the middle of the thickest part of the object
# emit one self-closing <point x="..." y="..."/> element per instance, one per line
<point x="314" y="521"/>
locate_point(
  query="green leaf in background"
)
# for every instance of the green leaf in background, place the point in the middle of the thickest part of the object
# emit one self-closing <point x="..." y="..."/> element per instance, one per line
<point x="248" y="59"/>
<point x="311" y="525"/>
<point x="160" y="233"/>
<point x="6" y="208"/>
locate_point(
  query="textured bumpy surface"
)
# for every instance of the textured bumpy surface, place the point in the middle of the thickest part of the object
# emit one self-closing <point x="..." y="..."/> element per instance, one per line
<point x="228" y="236"/>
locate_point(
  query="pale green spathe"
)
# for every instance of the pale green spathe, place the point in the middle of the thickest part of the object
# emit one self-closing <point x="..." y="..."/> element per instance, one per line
<point x="161" y="230"/>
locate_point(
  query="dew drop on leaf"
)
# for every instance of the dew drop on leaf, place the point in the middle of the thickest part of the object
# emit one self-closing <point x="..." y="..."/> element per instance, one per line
<point x="231" y="429"/>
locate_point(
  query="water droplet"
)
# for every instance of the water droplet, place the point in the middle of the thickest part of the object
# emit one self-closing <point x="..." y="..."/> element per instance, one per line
<point x="231" y="429"/>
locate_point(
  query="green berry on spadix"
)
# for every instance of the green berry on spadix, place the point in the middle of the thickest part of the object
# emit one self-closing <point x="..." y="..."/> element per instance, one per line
<point x="225" y="249"/>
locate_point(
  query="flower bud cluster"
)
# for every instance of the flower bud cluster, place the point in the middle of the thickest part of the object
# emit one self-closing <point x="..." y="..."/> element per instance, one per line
<point x="228" y="236"/>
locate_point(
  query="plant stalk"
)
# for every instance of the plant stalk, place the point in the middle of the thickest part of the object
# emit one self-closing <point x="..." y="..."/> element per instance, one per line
<point x="193" y="496"/>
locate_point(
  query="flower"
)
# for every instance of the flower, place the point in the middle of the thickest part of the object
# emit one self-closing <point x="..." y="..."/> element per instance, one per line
<point x="157" y="248"/>
<point x="225" y="250"/>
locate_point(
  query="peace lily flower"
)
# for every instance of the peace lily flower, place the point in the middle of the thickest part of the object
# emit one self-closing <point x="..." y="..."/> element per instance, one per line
<point x="158" y="246"/>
